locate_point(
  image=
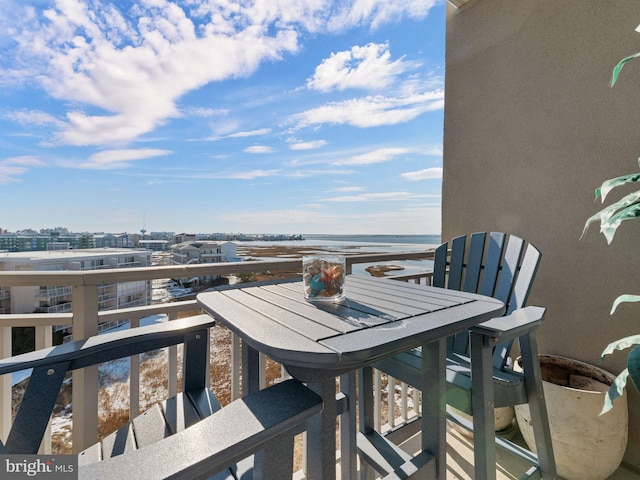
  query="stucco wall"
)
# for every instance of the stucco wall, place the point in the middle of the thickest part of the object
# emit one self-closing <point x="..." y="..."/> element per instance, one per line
<point x="531" y="129"/>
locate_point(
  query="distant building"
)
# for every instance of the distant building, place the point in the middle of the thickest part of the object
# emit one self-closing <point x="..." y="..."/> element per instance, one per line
<point x="159" y="235"/>
<point x="58" y="299"/>
<point x="13" y="242"/>
<point x="230" y="251"/>
<point x="202" y="252"/>
<point x="116" y="240"/>
<point x="179" y="238"/>
<point x="154" y="245"/>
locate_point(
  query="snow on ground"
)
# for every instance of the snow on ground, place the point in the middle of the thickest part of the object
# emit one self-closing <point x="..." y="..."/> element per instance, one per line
<point x="18" y="377"/>
<point x="114" y="382"/>
<point x="164" y="290"/>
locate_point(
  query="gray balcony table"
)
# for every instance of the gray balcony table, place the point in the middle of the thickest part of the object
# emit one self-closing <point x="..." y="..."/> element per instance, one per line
<point x="317" y="342"/>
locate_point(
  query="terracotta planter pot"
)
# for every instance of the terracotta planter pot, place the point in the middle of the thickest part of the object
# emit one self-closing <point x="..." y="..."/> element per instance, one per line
<point x="504" y="421"/>
<point x="586" y="446"/>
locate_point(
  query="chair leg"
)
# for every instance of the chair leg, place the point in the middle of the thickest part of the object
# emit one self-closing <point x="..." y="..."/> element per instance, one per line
<point x="348" y="447"/>
<point x="366" y="419"/>
<point x="537" y="405"/>
<point x="484" y="448"/>
<point x="321" y="434"/>
<point x="434" y="406"/>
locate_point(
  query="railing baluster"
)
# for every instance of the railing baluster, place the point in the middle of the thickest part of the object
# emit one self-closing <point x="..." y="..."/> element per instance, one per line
<point x="262" y="363"/>
<point x="85" y="380"/>
<point x="236" y="355"/>
<point x="134" y="377"/>
<point x="172" y="364"/>
<point x="377" y="399"/>
<point x="44" y="339"/>
<point x="391" y="394"/>
<point x="404" y="401"/>
<point x="5" y="384"/>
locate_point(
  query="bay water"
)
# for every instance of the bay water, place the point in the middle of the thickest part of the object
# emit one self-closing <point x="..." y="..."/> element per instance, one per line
<point x="354" y="244"/>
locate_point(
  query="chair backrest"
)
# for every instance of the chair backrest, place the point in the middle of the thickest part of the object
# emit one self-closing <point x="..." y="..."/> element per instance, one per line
<point x="488" y="264"/>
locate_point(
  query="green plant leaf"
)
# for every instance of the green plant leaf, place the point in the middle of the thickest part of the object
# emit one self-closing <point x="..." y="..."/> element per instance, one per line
<point x="612" y="183"/>
<point x="612" y="216"/>
<point x="603" y="216"/>
<point x="633" y="365"/>
<point x="620" y="344"/>
<point x="609" y="226"/>
<point x="615" y="391"/>
<point x="624" y="299"/>
<point x="618" y="68"/>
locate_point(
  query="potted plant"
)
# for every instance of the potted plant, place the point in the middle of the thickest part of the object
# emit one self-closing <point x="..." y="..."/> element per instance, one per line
<point x="610" y="219"/>
<point x="580" y="397"/>
<point x="586" y="444"/>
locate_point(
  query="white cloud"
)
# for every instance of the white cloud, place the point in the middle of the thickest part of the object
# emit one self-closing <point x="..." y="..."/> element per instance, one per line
<point x="111" y="159"/>
<point x="205" y="112"/>
<point x="318" y="172"/>
<point x="12" y="168"/>
<point x="249" y="175"/>
<point x="222" y="132"/>
<point x="134" y="73"/>
<point x="121" y="76"/>
<point x="374" y="13"/>
<point x="308" y="145"/>
<point x="259" y="149"/>
<point x="348" y="189"/>
<point x="426" y="174"/>
<point x="380" y="155"/>
<point x="371" y="111"/>
<point x="373" y="197"/>
<point x="369" y="67"/>
<point x="250" y="133"/>
<point x="382" y="197"/>
<point x="33" y="117"/>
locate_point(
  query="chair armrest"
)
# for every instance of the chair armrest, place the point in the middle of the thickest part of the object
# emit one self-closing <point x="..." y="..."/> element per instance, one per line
<point x="517" y="323"/>
<point x="109" y="346"/>
<point x="238" y="430"/>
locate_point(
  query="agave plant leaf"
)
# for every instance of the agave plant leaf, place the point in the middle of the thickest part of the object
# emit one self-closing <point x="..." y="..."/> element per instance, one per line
<point x="623" y="299"/>
<point x="618" y="68"/>
<point x="612" y="183"/>
<point x="609" y="227"/>
<point x="633" y="365"/>
<point x="621" y="344"/>
<point x="615" y="391"/>
<point x="610" y="217"/>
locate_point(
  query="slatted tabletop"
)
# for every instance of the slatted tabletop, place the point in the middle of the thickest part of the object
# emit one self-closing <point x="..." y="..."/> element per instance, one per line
<point x="379" y="318"/>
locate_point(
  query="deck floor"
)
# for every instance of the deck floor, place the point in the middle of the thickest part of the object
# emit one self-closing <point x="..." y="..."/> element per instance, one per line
<point x="460" y="460"/>
<point x="509" y="467"/>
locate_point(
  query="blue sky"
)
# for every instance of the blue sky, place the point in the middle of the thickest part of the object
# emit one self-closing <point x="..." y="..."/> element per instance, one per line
<point x="254" y="116"/>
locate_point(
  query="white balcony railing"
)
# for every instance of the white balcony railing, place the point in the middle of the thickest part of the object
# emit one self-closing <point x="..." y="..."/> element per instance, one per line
<point x="87" y="320"/>
<point x="47" y="292"/>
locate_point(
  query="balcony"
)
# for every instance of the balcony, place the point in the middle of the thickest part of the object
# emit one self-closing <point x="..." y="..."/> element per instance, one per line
<point x="47" y="293"/>
<point x="62" y="307"/>
<point x="129" y="264"/>
<point x="86" y="286"/>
